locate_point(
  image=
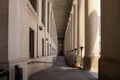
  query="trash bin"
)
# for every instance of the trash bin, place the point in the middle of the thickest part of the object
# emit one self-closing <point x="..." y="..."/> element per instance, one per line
<point x="18" y="72"/>
<point x="4" y="75"/>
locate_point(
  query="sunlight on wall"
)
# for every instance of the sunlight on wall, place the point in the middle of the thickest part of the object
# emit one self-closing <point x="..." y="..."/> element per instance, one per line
<point x="94" y="5"/>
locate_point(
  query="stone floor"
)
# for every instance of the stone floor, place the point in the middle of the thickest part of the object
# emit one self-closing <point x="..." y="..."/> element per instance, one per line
<point x="60" y="71"/>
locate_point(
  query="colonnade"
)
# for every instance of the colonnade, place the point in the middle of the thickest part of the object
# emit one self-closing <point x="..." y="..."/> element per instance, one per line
<point x="82" y="33"/>
<point x="88" y="17"/>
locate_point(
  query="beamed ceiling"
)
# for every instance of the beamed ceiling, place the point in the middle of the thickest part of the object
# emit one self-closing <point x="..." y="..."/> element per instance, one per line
<point x="61" y="10"/>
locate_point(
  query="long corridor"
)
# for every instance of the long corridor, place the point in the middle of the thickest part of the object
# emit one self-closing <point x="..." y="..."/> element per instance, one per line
<point x="60" y="71"/>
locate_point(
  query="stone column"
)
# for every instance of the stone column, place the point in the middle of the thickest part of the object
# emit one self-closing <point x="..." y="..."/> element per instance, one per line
<point x="67" y="46"/>
<point x="75" y="26"/>
<point x="74" y="36"/>
<point x="80" y="31"/>
<point x="78" y="35"/>
<point x="66" y="40"/>
<point x="92" y="18"/>
<point x="69" y="37"/>
<point x="70" y="32"/>
<point x="72" y="25"/>
<point x="110" y="36"/>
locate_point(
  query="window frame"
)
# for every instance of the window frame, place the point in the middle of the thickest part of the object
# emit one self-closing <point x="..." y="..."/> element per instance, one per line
<point x="43" y="3"/>
<point x="31" y="43"/>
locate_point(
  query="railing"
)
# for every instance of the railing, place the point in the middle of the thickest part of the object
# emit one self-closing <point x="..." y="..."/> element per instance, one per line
<point x="71" y="56"/>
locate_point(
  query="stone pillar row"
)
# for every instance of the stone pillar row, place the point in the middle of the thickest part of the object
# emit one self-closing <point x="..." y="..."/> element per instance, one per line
<point x="83" y="31"/>
<point x="87" y="20"/>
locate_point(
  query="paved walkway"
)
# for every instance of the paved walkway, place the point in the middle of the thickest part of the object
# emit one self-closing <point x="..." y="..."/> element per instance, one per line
<point x="60" y="71"/>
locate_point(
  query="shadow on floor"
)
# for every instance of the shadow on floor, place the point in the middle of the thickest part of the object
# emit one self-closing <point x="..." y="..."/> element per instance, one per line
<point x="60" y="71"/>
<point x="59" y="61"/>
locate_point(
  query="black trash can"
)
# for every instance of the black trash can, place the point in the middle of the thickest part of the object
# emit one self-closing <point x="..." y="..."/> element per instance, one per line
<point x="4" y="75"/>
<point x="18" y="72"/>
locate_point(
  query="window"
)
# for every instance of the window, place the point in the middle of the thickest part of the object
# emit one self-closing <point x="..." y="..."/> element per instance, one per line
<point x="50" y="49"/>
<point x="48" y="17"/>
<point x="34" y="4"/>
<point x="31" y="43"/>
<point x="47" y="48"/>
<point x="43" y="12"/>
<point x="42" y="47"/>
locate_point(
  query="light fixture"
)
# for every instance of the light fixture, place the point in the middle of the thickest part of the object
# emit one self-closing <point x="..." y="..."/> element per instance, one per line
<point x="46" y="39"/>
<point x="40" y="27"/>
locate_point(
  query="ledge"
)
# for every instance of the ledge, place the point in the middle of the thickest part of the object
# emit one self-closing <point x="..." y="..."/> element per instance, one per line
<point x="35" y="62"/>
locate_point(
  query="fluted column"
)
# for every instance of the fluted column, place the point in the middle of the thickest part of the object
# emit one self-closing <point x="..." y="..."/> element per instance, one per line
<point x="92" y="25"/>
<point x="69" y="37"/>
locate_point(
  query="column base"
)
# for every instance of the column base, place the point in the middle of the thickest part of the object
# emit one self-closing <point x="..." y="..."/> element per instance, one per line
<point x="78" y="61"/>
<point x="90" y="63"/>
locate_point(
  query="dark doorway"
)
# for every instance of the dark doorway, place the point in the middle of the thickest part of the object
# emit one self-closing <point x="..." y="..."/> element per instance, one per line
<point x="48" y="53"/>
<point x="42" y="47"/>
<point x="31" y="43"/>
<point x="60" y="46"/>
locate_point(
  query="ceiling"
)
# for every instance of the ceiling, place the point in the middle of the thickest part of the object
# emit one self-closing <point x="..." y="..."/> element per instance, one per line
<point x="61" y="10"/>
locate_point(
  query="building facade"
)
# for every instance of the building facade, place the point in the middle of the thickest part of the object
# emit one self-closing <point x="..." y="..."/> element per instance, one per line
<point x="28" y="36"/>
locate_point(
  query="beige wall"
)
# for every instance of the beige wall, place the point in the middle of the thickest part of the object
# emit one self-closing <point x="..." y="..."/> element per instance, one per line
<point x="18" y="30"/>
